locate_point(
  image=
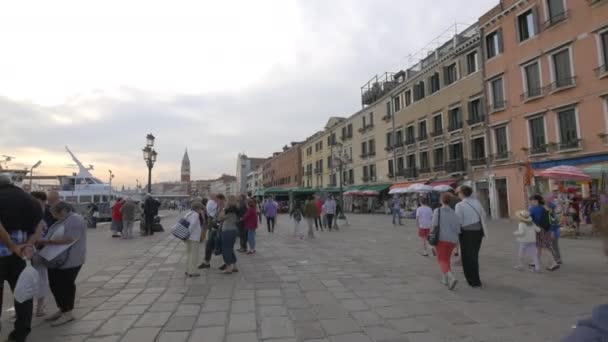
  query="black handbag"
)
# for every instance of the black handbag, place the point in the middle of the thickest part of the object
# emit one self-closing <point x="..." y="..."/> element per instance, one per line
<point x="217" y="250"/>
<point x="433" y="237"/>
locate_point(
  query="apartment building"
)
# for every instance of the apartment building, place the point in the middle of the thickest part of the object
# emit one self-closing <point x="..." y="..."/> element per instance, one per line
<point x="284" y="168"/>
<point x="437" y="115"/>
<point x="547" y="89"/>
<point x="316" y="156"/>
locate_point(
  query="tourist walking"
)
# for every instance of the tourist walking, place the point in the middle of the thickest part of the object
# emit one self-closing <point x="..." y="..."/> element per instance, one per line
<point x="69" y="231"/>
<point x="330" y="211"/>
<point x="260" y="210"/>
<point x="310" y="214"/>
<point x="242" y="230"/>
<point x="250" y="220"/>
<point x="544" y="239"/>
<point x="270" y="211"/>
<point x="472" y="217"/>
<point x="213" y="226"/>
<point x="319" y="217"/>
<point x="150" y="212"/>
<point x="43" y="277"/>
<point x="229" y="231"/>
<point x="447" y="221"/>
<point x="396" y="210"/>
<point x="128" y="218"/>
<point x="424" y="221"/>
<point x="192" y="243"/>
<point x="554" y="228"/>
<point x="526" y="236"/>
<point x="20" y="228"/>
<point x="117" y="224"/>
<point x="296" y="214"/>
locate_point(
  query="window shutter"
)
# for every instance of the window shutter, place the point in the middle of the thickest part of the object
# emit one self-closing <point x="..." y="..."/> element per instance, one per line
<point x="500" y="42"/>
<point x="536" y="20"/>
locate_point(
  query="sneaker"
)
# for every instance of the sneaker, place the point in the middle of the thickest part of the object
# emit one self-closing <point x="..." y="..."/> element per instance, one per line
<point x="444" y="280"/>
<point x="65" y="318"/>
<point x="223" y="267"/>
<point x="40" y="311"/>
<point x="203" y="266"/>
<point x="519" y="267"/>
<point x="54" y="316"/>
<point x="453" y="283"/>
<point x="425" y="253"/>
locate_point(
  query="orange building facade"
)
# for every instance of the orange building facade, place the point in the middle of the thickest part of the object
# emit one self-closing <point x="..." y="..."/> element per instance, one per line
<point x="546" y="88"/>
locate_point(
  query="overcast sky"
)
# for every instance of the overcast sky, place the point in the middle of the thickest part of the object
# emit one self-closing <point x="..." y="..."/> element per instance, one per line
<point x="216" y="77"/>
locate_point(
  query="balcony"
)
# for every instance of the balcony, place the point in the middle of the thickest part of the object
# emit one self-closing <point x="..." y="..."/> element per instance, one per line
<point x="389" y="148"/>
<point x="594" y="2"/>
<point x="456" y="165"/>
<point x="365" y="179"/>
<point x="556" y="18"/>
<point x="386" y="118"/>
<point x="498" y="106"/>
<point x="532" y="94"/>
<point x="473" y="120"/>
<point x="563" y="83"/>
<point x="366" y="128"/>
<point x="410" y="173"/>
<point x="501" y="156"/>
<point x="422" y="138"/>
<point x="601" y="71"/>
<point x="318" y="171"/>
<point x="478" y="161"/>
<point x="363" y="155"/>
<point x="540" y="149"/>
<point x="454" y="126"/>
<point x="440" y="167"/>
<point x="390" y="175"/>
<point x="424" y="170"/>
<point x="410" y="141"/>
<point x="437" y="132"/>
<point x="570" y="145"/>
<point x="346" y="137"/>
<point x="371" y="154"/>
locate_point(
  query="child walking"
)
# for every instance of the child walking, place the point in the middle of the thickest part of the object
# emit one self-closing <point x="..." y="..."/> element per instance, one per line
<point x="526" y="236"/>
<point x="424" y="219"/>
<point x="251" y="224"/>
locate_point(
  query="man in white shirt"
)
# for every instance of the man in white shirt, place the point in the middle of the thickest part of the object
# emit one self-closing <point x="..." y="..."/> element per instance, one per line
<point x="212" y="211"/>
<point x="472" y="217"/>
<point x="330" y="211"/>
<point x="212" y="207"/>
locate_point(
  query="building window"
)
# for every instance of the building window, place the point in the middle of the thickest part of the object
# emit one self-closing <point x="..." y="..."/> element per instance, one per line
<point x="497" y="95"/>
<point x="478" y="151"/>
<point x="475" y="112"/>
<point x="422" y="134"/>
<point x="526" y="25"/>
<point x="329" y="166"/>
<point x="456" y="152"/>
<point x="364" y="149"/>
<point x="450" y="74"/>
<point x="411" y="161"/>
<point x="435" y="86"/>
<point x="409" y="135"/>
<point x="389" y="141"/>
<point x="502" y="148"/>
<point x="438" y="158"/>
<point x="408" y="97"/>
<point x="455" y="119"/>
<point x="472" y="62"/>
<point x="568" y="128"/>
<point x="365" y="173"/>
<point x="363" y="122"/>
<point x="532" y="80"/>
<point x="372" y="172"/>
<point x="391" y="168"/>
<point x="400" y="165"/>
<point x="424" y="161"/>
<point x="494" y="44"/>
<point x="437" y="125"/>
<point x="556" y="11"/>
<point x="419" y="91"/>
<point x="371" y="146"/>
<point x="371" y="119"/>
<point x="351" y="176"/>
<point x="561" y="69"/>
<point x="397" y="102"/>
<point x="538" y="139"/>
<point x="349" y="130"/>
<point x="603" y="46"/>
<point x="399" y="137"/>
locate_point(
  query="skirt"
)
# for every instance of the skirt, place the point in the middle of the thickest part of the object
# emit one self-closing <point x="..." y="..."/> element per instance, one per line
<point x="543" y="239"/>
<point x="423" y="233"/>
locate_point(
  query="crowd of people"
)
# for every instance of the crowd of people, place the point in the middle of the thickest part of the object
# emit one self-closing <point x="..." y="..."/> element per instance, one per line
<point x="41" y="230"/>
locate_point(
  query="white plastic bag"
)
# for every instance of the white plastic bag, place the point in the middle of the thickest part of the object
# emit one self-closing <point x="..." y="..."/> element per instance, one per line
<point x="27" y="284"/>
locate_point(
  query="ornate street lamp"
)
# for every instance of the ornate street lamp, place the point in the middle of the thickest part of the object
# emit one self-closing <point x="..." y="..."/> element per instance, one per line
<point x="111" y="176"/>
<point x="32" y="172"/>
<point x="150" y="158"/>
<point x="342" y="158"/>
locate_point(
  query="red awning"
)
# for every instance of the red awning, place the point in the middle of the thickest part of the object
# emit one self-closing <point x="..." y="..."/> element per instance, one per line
<point x="407" y="184"/>
<point x="451" y="182"/>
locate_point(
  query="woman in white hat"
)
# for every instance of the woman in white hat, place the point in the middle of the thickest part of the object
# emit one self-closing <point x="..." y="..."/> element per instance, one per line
<point x="526" y="236"/>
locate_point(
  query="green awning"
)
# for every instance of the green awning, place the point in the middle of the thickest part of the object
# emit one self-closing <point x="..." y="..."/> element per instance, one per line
<point x="376" y="187"/>
<point x="304" y="191"/>
<point x="276" y="191"/>
<point x="332" y="190"/>
<point x="354" y="187"/>
<point x="259" y="192"/>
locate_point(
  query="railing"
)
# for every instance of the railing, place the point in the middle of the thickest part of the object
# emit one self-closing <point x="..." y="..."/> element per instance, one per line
<point x="569" y="145"/>
<point x="371" y="154"/>
<point x="538" y="149"/>
<point x="388" y="148"/>
<point x="363" y="155"/>
<point x="601" y="70"/>
<point x="456" y="165"/>
<point x="410" y="141"/>
<point x="532" y="93"/>
<point x="318" y="171"/>
<point x="366" y="128"/>
<point x="410" y="173"/>
<point x="476" y="119"/>
<point x="501" y="156"/>
<point x="422" y="138"/>
<point x="594" y="2"/>
<point x="386" y="118"/>
<point x="437" y="132"/>
<point x="499" y="105"/>
<point x="563" y="83"/>
<point x="478" y="161"/>
<point x="556" y="18"/>
<point x="365" y="179"/>
<point x="455" y="126"/>
<point x="440" y="167"/>
<point x="424" y="170"/>
<point x="390" y="175"/>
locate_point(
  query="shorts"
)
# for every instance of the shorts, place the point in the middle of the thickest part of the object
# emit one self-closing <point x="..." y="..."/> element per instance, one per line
<point x="423" y="233"/>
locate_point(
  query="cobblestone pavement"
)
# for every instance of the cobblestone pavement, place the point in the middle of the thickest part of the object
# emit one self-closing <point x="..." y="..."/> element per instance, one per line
<point x="366" y="282"/>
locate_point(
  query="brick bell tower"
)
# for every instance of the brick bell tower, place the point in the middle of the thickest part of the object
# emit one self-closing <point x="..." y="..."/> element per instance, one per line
<point x="185" y="171"/>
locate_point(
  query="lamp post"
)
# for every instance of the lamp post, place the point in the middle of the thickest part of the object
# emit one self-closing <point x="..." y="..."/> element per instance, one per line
<point x="111" y="176"/>
<point x="32" y="172"/>
<point x="150" y="158"/>
<point x="342" y="158"/>
<point x="136" y="184"/>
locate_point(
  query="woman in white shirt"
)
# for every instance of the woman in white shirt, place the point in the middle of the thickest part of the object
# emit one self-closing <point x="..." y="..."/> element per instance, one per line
<point x="194" y="216"/>
<point x="424" y="218"/>
<point x="472" y="217"/>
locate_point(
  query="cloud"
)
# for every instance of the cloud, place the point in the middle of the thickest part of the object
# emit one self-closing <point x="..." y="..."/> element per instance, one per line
<point x="249" y="85"/>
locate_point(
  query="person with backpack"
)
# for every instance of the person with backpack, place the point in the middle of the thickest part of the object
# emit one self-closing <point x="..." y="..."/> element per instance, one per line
<point x="544" y="238"/>
<point x="296" y="214"/>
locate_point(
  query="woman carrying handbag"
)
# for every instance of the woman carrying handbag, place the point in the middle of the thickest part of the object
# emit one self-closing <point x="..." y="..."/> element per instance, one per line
<point x="446" y="230"/>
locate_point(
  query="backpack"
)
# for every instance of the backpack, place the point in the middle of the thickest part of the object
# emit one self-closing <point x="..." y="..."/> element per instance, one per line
<point x="545" y="220"/>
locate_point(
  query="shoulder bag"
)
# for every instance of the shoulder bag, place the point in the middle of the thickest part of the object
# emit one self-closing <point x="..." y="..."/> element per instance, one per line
<point x="433" y="237"/>
<point x="476" y="225"/>
<point x="181" y="229"/>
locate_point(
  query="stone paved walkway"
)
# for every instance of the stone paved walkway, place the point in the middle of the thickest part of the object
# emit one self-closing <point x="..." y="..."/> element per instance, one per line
<point x="366" y="282"/>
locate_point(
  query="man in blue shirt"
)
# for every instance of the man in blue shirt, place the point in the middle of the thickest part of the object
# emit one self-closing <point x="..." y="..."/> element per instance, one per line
<point x="20" y="226"/>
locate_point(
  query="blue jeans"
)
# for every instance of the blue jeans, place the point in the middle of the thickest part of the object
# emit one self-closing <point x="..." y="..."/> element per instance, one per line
<point x="228" y="239"/>
<point x="251" y="239"/>
<point x="396" y="216"/>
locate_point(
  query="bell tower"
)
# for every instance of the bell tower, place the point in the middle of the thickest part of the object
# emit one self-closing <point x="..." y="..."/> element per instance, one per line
<point x="185" y="172"/>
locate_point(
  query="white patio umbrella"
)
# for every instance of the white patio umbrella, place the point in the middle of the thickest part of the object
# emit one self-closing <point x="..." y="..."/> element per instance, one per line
<point x="442" y="188"/>
<point x="419" y="188"/>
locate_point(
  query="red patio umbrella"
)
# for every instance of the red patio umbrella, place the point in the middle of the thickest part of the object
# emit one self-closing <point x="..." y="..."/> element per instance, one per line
<point x="565" y="173"/>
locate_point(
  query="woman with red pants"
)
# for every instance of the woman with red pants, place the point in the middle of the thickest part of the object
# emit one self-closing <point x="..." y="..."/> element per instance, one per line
<point x="449" y="230"/>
